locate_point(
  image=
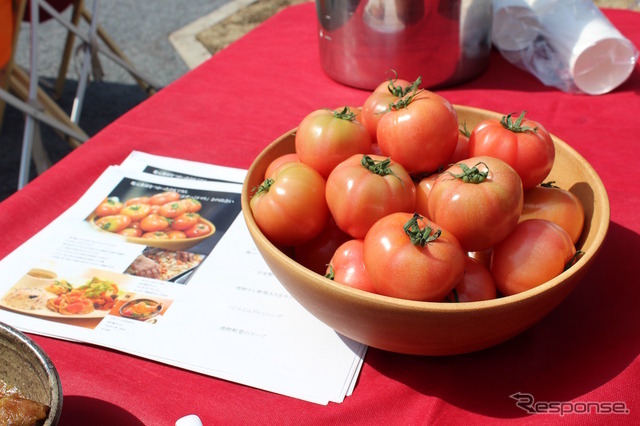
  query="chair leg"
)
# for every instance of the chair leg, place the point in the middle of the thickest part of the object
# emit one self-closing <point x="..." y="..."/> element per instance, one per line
<point x="108" y="41"/>
<point x="42" y="116"/>
<point x="84" y="73"/>
<point x="20" y="83"/>
<point x="30" y="121"/>
<point x="78" y="7"/>
<point x="39" y="154"/>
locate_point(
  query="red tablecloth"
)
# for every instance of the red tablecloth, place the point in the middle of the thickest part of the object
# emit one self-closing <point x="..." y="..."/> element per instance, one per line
<point x="225" y="112"/>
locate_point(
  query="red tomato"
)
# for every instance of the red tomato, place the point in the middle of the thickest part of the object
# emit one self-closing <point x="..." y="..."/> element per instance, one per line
<point x="198" y="230"/>
<point x="536" y="251"/>
<point x="286" y="158"/>
<point x="462" y="147"/>
<point x="108" y="207"/>
<point x="185" y="221"/>
<point x="164" y="197"/>
<point x="477" y="284"/>
<point x="113" y="223"/>
<point x="420" y="132"/>
<point x="325" y="138"/>
<point x="484" y="257"/>
<point x="290" y="207"/>
<point x="363" y="189"/>
<point x="137" y="200"/>
<point x="316" y="253"/>
<point x="479" y="200"/>
<point x="523" y="144"/>
<point x="192" y="205"/>
<point x="557" y="205"/>
<point x="173" y="209"/>
<point x="136" y="211"/>
<point x="176" y="235"/>
<point x="423" y="189"/>
<point x="378" y="102"/>
<point x="156" y="235"/>
<point x="409" y="257"/>
<point x="131" y="232"/>
<point x="347" y="266"/>
<point x="154" y="222"/>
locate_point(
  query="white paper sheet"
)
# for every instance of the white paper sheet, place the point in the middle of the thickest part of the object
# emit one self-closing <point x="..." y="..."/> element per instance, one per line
<point x="229" y="317"/>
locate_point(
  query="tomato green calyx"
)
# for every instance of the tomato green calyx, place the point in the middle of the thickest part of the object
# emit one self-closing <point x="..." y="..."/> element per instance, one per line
<point x="550" y="184"/>
<point x="400" y="91"/>
<point x="380" y="168"/>
<point x="574" y="259"/>
<point x="472" y="174"/>
<point x="455" y="298"/>
<point x="419" y="236"/>
<point x="331" y="273"/>
<point x="463" y="130"/>
<point x="516" y="126"/>
<point x="346" y="114"/>
<point x="266" y="185"/>
<point x="404" y="101"/>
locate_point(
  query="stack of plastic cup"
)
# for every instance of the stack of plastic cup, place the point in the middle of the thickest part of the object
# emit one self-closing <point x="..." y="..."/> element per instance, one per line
<point x="515" y="25"/>
<point x="592" y="56"/>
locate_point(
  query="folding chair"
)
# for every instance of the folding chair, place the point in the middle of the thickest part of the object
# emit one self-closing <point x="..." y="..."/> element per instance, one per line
<point x="35" y="103"/>
<point x="79" y="11"/>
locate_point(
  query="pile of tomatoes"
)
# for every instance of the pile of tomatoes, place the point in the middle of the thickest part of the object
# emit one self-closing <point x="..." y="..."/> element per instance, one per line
<point x="399" y="198"/>
<point x="161" y="216"/>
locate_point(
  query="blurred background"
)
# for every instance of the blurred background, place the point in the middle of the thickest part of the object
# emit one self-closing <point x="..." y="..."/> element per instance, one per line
<point x="148" y="33"/>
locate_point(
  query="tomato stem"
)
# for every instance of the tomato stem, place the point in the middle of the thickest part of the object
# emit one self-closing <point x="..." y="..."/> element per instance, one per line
<point x="331" y="274"/>
<point x="516" y="126"/>
<point x="471" y="174"/>
<point x="463" y="130"/>
<point x="405" y="101"/>
<point x="419" y="236"/>
<point x="266" y="185"/>
<point x="380" y="168"/>
<point x="456" y="297"/>
<point x="550" y="184"/>
<point x="574" y="259"/>
<point x="345" y="114"/>
<point x="399" y="91"/>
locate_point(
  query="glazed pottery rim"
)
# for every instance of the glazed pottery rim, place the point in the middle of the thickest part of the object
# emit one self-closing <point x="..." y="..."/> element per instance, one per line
<point x="55" y="387"/>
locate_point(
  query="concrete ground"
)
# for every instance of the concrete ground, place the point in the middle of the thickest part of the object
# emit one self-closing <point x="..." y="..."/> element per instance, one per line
<point x="163" y="38"/>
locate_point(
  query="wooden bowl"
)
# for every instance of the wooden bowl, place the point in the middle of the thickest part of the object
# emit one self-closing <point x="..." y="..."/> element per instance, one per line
<point x="430" y="328"/>
<point x="24" y="365"/>
<point x="174" y="245"/>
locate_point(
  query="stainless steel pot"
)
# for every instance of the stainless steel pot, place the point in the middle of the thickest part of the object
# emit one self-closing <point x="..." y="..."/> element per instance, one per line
<point x="444" y="41"/>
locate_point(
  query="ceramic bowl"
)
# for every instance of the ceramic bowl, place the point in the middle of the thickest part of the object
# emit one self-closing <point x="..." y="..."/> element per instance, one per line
<point x="429" y="328"/>
<point x="24" y="365"/>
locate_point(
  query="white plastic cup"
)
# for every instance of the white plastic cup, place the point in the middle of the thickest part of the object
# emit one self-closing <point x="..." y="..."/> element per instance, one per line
<point x="190" y="420"/>
<point x="515" y="25"/>
<point x="598" y="57"/>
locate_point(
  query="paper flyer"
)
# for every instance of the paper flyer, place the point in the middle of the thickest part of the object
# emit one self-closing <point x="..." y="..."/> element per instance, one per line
<point x="155" y="260"/>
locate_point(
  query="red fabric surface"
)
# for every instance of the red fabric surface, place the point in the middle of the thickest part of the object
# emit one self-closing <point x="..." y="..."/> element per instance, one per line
<point x="225" y="112"/>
